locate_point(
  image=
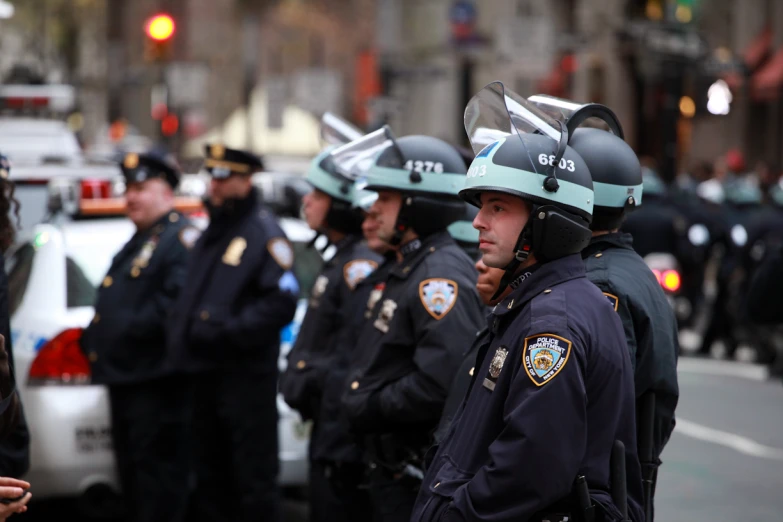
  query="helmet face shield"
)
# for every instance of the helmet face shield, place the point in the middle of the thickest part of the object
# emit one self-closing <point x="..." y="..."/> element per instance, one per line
<point x="336" y="131"/>
<point x="354" y="159"/>
<point x="496" y="112"/>
<point x="574" y="114"/>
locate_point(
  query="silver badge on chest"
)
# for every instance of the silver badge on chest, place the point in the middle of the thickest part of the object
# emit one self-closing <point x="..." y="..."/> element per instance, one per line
<point x="388" y="307"/>
<point x="495" y="367"/>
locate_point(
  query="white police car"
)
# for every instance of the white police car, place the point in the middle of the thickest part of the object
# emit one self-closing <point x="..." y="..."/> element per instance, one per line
<point x="53" y="276"/>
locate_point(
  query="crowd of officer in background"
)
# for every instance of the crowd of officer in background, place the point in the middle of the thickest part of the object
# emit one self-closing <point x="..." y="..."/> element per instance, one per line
<point x="486" y="342"/>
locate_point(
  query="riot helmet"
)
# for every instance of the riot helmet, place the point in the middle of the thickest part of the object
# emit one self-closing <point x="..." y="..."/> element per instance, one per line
<point x="427" y="172"/>
<point x="522" y="151"/>
<point x="596" y="134"/>
<point x="339" y="185"/>
<point x="464" y="234"/>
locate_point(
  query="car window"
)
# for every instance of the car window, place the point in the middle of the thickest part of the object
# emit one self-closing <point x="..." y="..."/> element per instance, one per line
<point x="18" y="267"/>
<point x="307" y="266"/>
<point x="80" y="291"/>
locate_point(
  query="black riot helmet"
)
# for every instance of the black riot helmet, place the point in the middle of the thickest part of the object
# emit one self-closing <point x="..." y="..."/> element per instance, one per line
<point x="523" y="152"/>
<point x="614" y="166"/>
<point x="428" y="172"/>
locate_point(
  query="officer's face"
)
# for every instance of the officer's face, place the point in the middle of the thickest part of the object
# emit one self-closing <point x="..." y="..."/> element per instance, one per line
<point x="370" y="227"/>
<point x="488" y="282"/>
<point x="499" y="222"/>
<point x="233" y="187"/>
<point x="148" y="201"/>
<point x="386" y="208"/>
<point x="315" y="206"/>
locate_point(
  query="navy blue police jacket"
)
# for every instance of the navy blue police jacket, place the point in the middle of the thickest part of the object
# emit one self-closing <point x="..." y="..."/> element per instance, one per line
<point x="332" y="439"/>
<point x="648" y="321"/>
<point x="411" y="346"/>
<point x="311" y="358"/>
<point x="240" y="293"/>
<point x="551" y="392"/>
<point x="126" y="340"/>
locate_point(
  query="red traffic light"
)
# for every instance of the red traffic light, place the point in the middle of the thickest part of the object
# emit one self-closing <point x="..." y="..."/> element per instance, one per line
<point x="160" y="27"/>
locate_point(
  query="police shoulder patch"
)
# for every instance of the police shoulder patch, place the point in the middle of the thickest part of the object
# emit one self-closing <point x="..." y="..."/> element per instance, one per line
<point x="355" y="271"/>
<point x="281" y="251"/>
<point x="613" y="300"/>
<point x="544" y="356"/>
<point x="438" y="296"/>
<point x="189" y="235"/>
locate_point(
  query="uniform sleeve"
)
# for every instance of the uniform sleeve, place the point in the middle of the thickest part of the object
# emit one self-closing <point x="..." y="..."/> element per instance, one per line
<point x="765" y="293"/>
<point x="261" y="319"/>
<point x="441" y="335"/>
<point x="656" y="367"/>
<point x="149" y="320"/>
<point x="537" y="456"/>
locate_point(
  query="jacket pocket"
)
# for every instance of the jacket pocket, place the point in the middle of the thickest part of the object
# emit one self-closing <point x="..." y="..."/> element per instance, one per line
<point x="442" y="488"/>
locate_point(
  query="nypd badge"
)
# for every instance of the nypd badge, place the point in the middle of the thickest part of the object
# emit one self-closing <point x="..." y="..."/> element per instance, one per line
<point x="281" y="252"/>
<point x="375" y="296"/>
<point x="217" y="151"/>
<point x="544" y="356"/>
<point x="386" y="315"/>
<point x="188" y="236"/>
<point x="355" y="271"/>
<point x="495" y="367"/>
<point x="438" y="296"/>
<point x="233" y="254"/>
<point x="131" y="161"/>
<point x="319" y="287"/>
<point x="145" y="254"/>
<point x="612" y="300"/>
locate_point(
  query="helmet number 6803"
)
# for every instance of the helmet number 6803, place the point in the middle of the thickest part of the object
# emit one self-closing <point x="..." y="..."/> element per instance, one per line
<point x="549" y="161"/>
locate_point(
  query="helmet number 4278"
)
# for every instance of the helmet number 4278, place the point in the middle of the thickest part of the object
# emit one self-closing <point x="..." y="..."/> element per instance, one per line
<point x="424" y="166"/>
<point x="550" y="161"/>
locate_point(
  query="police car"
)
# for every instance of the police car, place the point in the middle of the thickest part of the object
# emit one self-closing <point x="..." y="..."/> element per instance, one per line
<point x="53" y="275"/>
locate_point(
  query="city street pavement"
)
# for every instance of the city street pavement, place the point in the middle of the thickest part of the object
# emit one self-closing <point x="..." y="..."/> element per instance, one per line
<point x="725" y="459"/>
<point x="724" y="462"/>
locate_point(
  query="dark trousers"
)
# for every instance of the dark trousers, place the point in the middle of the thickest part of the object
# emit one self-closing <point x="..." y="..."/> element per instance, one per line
<point x="338" y="492"/>
<point x="235" y="439"/>
<point x="150" y="427"/>
<point x="392" y="497"/>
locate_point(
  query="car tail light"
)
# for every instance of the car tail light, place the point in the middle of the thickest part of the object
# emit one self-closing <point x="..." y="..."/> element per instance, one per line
<point x="96" y="189"/>
<point x="61" y="361"/>
<point x="670" y="280"/>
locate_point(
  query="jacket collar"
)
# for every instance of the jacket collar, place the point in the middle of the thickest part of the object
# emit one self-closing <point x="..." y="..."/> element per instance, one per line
<point x="542" y="279"/>
<point x="343" y="247"/>
<point x="607" y="241"/>
<point x="428" y="245"/>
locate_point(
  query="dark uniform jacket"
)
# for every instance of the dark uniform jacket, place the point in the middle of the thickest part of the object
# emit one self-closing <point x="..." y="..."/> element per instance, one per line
<point x="765" y="293"/>
<point x="411" y="346"/>
<point x="240" y="293"/>
<point x="648" y="321"/>
<point x="551" y="392"/>
<point x="126" y="341"/>
<point x="310" y="359"/>
<point x="332" y="439"/>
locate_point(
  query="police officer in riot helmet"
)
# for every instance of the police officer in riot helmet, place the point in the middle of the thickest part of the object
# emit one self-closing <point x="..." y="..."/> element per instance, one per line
<point x="630" y="286"/>
<point x="412" y="341"/>
<point x="225" y="329"/>
<point x="520" y="447"/>
<point x="329" y="210"/>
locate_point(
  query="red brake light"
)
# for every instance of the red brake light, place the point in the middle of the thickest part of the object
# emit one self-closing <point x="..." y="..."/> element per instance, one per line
<point x="61" y="361"/>
<point x="96" y="189"/>
<point x="670" y="280"/>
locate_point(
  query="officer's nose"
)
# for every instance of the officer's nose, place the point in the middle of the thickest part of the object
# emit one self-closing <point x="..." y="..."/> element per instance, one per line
<point x="478" y="221"/>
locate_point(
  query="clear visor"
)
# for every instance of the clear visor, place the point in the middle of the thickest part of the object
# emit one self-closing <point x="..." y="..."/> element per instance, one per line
<point x="578" y="114"/>
<point x="337" y="131"/>
<point x="355" y="158"/>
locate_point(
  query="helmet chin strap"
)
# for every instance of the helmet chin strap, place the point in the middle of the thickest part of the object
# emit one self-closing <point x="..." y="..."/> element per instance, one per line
<point x="521" y="253"/>
<point x="403" y="221"/>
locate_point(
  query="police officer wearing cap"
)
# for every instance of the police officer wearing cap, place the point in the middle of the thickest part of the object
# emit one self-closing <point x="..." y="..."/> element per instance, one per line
<point x="552" y="388"/>
<point x="630" y="286"/>
<point x="411" y="345"/>
<point x="126" y="345"/>
<point x="225" y="331"/>
<point x="329" y="210"/>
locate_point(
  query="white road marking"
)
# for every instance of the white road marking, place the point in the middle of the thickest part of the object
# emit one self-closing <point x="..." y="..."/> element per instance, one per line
<point x="754" y="372"/>
<point x="729" y="440"/>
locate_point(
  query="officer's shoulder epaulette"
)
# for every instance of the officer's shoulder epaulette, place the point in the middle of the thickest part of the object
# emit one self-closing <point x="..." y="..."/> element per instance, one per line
<point x="549" y="308"/>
